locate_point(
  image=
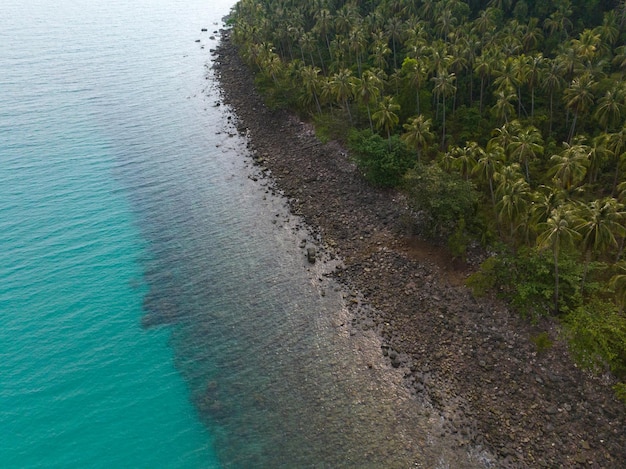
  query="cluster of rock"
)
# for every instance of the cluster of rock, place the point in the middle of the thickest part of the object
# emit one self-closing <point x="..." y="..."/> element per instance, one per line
<point x="472" y="360"/>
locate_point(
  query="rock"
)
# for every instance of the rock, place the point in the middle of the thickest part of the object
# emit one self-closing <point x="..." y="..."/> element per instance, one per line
<point x="310" y="254"/>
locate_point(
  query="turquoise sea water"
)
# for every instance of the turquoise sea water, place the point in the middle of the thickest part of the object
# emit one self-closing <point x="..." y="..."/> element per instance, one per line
<point x="156" y="306"/>
<point x="82" y="383"/>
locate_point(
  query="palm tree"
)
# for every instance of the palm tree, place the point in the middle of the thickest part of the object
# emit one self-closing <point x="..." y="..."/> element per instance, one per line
<point x="599" y="224"/>
<point x="609" y="109"/>
<point x="618" y="285"/>
<point x="484" y="23"/>
<point x="386" y="117"/>
<point x="341" y="86"/>
<point x="552" y="82"/>
<point x="569" y="167"/>
<point x="598" y="154"/>
<point x="616" y="144"/>
<point x="587" y="45"/>
<point x="444" y="86"/>
<point x="555" y="233"/>
<point x="368" y="88"/>
<point x="532" y="35"/>
<point x="558" y="21"/>
<point x="415" y="72"/>
<point x="380" y="51"/>
<point x="513" y="201"/>
<point x="484" y="68"/>
<point x="579" y="98"/>
<point x="358" y="44"/>
<point x="503" y="107"/>
<point x="487" y="164"/>
<point x="533" y="78"/>
<point x="324" y="22"/>
<point x="526" y="145"/>
<point x="465" y="159"/>
<point x="446" y="22"/>
<point x="418" y="134"/>
<point x="311" y="80"/>
<point x="395" y="30"/>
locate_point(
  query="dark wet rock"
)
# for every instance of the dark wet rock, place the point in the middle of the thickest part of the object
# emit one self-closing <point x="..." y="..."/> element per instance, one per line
<point x="311" y="254"/>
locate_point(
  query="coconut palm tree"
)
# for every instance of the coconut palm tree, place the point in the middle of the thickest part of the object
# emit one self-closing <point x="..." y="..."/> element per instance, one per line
<point x="569" y="167"/>
<point x="465" y="159"/>
<point x="395" y="30"/>
<point x="504" y="108"/>
<point x="552" y="82"/>
<point x="418" y="134"/>
<point x="486" y="166"/>
<point x="618" y="285"/>
<point x="610" y="106"/>
<point x="534" y="76"/>
<point x="616" y="144"/>
<point x="579" y="98"/>
<point x="484" y="67"/>
<point x="310" y="77"/>
<point x="526" y="145"/>
<point x="341" y="86"/>
<point x="514" y="200"/>
<point x="554" y="234"/>
<point x="368" y="89"/>
<point x="386" y="118"/>
<point x="444" y="86"/>
<point x="600" y="224"/>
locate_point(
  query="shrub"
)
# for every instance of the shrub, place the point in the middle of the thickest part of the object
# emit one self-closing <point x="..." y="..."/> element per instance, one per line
<point x="383" y="161"/>
<point x="442" y="197"/>
<point x="597" y="333"/>
<point x="542" y="342"/>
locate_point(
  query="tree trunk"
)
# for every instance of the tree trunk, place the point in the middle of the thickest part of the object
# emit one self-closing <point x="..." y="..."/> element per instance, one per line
<point x="556" y="281"/>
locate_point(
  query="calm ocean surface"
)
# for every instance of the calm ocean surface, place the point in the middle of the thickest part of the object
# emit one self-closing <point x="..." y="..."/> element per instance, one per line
<point x="156" y="309"/>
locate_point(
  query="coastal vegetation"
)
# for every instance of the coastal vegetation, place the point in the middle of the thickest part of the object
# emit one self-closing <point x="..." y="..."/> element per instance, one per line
<point x="503" y="122"/>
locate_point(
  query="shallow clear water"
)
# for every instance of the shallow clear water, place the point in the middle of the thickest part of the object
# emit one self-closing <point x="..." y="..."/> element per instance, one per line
<point x="156" y="307"/>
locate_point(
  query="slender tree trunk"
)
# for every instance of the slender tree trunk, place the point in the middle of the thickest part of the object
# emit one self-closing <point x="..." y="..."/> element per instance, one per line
<point x="573" y="128"/>
<point x="556" y="281"/>
<point x="443" y="133"/>
<point x="550" y="130"/>
<point x="482" y="87"/>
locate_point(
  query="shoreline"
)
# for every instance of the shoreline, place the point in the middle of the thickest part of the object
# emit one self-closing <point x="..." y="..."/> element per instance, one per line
<point x="472" y="360"/>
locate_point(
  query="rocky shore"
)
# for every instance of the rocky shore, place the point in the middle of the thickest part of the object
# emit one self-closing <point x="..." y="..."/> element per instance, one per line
<point x="472" y="359"/>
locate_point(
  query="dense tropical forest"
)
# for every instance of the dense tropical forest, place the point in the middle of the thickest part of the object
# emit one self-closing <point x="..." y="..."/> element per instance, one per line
<point x="503" y="122"/>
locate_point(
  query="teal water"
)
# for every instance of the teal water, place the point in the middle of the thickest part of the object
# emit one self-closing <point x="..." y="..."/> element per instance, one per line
<point x="156" y="306"/>
<point x="82" y="384"/>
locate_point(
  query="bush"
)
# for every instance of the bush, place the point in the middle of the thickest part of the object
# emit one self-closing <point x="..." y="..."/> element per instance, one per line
<point x="597" y="333"/>
<point x="444" y="198"/>
<point x="383" y="161"/>
<point x="542" y="342"/>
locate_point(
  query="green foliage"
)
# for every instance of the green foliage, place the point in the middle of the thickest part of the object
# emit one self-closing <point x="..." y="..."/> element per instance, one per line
<point x="484" y="280"/>
<point x="329" y="127"/>
<point x="373" y="64"/>
<point x="383" y="162"/>
<point x="542" y="342"/>
<point x="444" y="198"/>
<point x="620" y="392"/>
<point x="459" y="240"/>
<point x="597" y="333"/>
